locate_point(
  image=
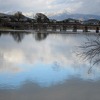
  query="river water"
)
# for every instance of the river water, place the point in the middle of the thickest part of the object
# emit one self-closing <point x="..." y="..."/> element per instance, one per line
<point x="36" y="66"/>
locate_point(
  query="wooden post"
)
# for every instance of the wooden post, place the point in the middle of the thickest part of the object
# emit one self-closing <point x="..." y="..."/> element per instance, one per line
<point x="97" y="29"/>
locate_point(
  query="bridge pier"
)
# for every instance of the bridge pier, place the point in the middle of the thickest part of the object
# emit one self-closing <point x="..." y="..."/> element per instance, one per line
<point x="75" y="28"/>
<point x="85" y="29"/>
<point x="44" y="27"/>
<point x="53" y="28"/>
<point x="63" y="28"/>
<point x="40" y="28"/>
<point x="35" y="27"/>
<point x="97" y="29"/>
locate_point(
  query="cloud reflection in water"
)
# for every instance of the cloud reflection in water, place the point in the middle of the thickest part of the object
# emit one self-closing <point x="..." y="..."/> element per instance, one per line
<point x="46" y="63"/>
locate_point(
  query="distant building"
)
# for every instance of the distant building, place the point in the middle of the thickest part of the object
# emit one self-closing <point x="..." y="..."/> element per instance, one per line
<point x="5" y="18"/>
<point x="71" y="21"/>
<point x="53" y="21"/>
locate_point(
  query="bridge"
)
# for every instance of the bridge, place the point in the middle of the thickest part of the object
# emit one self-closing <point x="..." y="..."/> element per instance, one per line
<point x="66" y="26"/>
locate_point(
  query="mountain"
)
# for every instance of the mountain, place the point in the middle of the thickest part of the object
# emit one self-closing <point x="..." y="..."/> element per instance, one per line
<point x="63" y="16"/>
<point x="17" y="14"/>
<point x="59" y="16"/>
<point x="2" y="14"/>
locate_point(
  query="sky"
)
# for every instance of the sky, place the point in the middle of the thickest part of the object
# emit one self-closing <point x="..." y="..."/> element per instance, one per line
<point x="51" y="6"/>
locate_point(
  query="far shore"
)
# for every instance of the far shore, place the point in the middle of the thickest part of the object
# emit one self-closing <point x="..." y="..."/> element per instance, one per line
<point x="49" y="31"/>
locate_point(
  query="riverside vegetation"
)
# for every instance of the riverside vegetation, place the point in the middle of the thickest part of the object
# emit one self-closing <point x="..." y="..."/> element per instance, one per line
<point x="21" y="22"/>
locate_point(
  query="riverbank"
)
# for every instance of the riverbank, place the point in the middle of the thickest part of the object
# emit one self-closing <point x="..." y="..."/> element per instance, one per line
<point x="49" y="31"/>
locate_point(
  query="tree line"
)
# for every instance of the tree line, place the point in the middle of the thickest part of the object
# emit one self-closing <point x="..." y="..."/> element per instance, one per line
<point x="20" y="21"/>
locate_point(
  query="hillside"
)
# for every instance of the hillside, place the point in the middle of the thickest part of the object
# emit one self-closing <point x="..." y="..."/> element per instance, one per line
<point x="74" y="16"/>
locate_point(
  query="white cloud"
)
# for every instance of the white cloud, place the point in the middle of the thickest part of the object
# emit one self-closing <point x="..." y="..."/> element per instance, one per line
<point x="47" y="52"/>
<point x="15" y="56"/>
<point x="51" y="6"/>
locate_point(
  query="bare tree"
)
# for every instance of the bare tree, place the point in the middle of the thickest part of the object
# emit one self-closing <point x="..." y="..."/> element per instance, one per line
<point x="18" y="15"/>
<point x="40" y="36"/>
<point x="17" y="36"/>
<point x="90" y="50"/>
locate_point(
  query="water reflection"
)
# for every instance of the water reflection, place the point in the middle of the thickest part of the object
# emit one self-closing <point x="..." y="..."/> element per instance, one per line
<point x="40" y="36"/>
<point x="19" y="36"/>
<point x="74" y="89"/>
<point x="90" y="50"/>
<point x="45" y="63"/>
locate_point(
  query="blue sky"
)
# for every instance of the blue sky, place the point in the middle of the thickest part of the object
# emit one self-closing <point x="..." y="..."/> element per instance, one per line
<point x="51" y="6"/>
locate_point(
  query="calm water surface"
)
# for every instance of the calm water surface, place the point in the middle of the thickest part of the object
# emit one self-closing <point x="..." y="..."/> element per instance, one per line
<point x="46" y="67"/>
